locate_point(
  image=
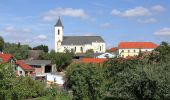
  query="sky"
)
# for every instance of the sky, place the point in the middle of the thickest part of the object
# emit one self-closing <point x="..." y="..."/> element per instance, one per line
<point x="32" y="21"/>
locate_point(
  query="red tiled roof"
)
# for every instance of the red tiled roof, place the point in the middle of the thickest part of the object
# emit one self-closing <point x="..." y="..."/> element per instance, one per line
<point x="93" y="60"/>
<point x="6" y="57"/>
<point x="23" y="65"/>
<point x="142" y="45"/>
<point x="113" y="49"/>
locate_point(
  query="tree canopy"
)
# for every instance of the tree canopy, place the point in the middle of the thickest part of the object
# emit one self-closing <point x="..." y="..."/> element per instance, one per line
<point x="41" y="47"/>
<point x="86" y="81"/>
<point x="17" y="50"/>
<point x="1" y="43"/>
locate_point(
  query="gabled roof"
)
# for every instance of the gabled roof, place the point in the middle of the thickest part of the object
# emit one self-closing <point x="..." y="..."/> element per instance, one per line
<point x="93" y="60"/>
<point x="6" y="57"/>
<point x="137" y="45"/>
<point x="80" y="40"/>
<point x="23" y="65"/>
<point x="59" y="23"/>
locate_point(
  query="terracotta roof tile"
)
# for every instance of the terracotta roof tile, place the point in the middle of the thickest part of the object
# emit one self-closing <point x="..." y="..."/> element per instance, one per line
<point x="93" y="60"/>
<point x="142" y="45"/>
<point x="24" y="65"/>
<point x="6" y="57"/>
<point x="113" y="49"/>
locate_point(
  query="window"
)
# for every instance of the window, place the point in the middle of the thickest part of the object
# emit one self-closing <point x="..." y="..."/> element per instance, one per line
<point x="128" y="50"/>
<point x="146" y="50"/>
<point x="100" y="48"/>
<point x="134" y="50"/>
<point x="58" y="32"/>
<point x="122" y="50"/>
<point x="81" y="49"/>
<point x="75" y="49"/>
<point x="20" y="72"/>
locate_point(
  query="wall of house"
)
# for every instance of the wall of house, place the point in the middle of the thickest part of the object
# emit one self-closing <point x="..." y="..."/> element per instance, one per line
<point x="131" y="52"/>
<point x="19" y="70"/>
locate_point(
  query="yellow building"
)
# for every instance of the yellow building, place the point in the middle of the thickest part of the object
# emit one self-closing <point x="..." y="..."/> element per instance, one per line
<point x="134" y="48"/>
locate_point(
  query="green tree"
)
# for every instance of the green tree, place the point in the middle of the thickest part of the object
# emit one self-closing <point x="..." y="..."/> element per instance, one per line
<point x="89" y="53"/>
<point x="17" y="88"/>
<point x="62" y="60"/>
<point x="41" y="47"/>
<point x="86" y="81"/>
<point x="1" y="43"/>
<point x="136" y="80"/>
<point x="18" y="51"/>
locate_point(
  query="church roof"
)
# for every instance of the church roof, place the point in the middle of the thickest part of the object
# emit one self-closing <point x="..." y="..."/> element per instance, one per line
<point x="81" y="40"/>
<point x="59" y="23"/>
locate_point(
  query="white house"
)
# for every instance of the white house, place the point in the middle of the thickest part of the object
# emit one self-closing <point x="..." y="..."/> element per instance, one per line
<point x="78" y="44"/>
<point x="134" y="48"/>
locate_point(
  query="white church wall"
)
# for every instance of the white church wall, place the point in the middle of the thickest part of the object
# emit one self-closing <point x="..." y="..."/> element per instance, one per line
<point x="99" y="47"/>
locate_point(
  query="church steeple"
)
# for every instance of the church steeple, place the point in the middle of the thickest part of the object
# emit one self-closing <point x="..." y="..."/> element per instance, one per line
<point x="59" y="23"/>
<point x="59" y="32"/>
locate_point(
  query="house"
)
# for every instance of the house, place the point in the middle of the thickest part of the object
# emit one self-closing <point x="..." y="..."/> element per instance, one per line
<point x="22" y="69"/>
<point x="4" y="58"/>
<point x="77" y="44"/>
<point x="126" y="49"/>
<point x="106" y="55"/>
<point x="42" y="67"/>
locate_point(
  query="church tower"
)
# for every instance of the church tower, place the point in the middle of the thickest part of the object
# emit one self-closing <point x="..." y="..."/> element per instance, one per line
<point x="58" y="35"/>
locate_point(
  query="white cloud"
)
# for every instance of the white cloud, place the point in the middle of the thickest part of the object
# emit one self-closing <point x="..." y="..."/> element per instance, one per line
<point x="105" y="25"/>
<point x="13" y="29"/>
<point x="158" y="8"/>
<point x="138" y="11"/>
<point x="41" y="37"/>
<point x="164" y="31"/>
<point x="147" y="21"/>
<point x="115" y="12"/>
<point x="54" y="13"/>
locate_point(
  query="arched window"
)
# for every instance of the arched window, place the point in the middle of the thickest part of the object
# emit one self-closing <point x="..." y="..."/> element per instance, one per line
<point x="100" y="48"/>
<point x="81" y="49"/>
<point x="58" y="32"/>
<point x="75" y="49"/>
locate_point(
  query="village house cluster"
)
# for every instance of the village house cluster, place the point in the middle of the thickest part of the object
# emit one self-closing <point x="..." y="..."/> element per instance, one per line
<point x="45" y="70"/>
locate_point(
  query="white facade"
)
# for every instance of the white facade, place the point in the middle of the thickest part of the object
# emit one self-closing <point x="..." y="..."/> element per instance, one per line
<point x="58" y="37"/>
<point x="98" y="47"/>
<point x="132" y="52"/>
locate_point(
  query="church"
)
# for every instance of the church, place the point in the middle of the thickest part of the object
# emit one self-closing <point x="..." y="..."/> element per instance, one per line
<point x="77" y="44"/>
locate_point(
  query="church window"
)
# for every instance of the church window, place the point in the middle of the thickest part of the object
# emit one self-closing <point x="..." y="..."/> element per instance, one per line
<point x="100" y="48"/>
<point x="75" y="49"/>
<point x="58" y="32"/>
<point x="81" y="49"/>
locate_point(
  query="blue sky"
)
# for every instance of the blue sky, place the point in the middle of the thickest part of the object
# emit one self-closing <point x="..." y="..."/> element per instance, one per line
<point x="32" y="21"/>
